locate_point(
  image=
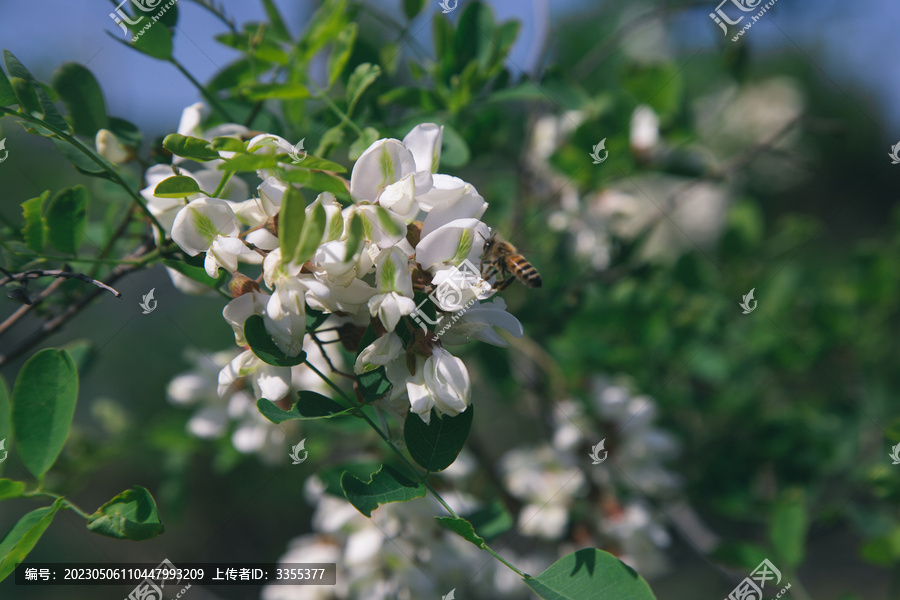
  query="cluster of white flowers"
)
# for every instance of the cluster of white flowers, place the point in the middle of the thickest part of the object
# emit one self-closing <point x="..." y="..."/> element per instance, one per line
<point x="416" y="226"/>
<point x="553" y="479"/>
<point x="219" y="409"/>
<point x="401" y="552"/>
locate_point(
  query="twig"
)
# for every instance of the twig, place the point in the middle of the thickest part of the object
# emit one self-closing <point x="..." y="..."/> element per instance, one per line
<point x="36" y="273"/>
<point x="25" y="308"/>
<point x="57" y="322"/>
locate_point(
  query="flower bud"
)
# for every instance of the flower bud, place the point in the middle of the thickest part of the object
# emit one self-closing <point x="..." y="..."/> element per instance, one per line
<point x="240" y="284"/>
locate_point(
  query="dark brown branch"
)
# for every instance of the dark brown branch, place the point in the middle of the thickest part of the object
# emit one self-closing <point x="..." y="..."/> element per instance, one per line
<point x="58" y="321"/>
<point x="36" y="273"/>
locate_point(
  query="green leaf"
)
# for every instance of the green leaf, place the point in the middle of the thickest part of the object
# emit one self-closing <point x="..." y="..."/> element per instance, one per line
<point x="310" y="406"/>
<point x="51" y="113"/>
<point x="362" y="77"/>
<point x="35" y="230"/>
<point x="155" y="41"/>
<point x="7" y="95"/>
<point x="412" y="8"/>
<point x="80" y="161"/>
<point x="43" y="403"/>
<point x="132" y="515"/>
<point x="386" y="485"/>
<point x="249" y="162"/>
<point x="229" y="144"/>
<point x="462" y="528"/>
<point x="189" y="147"/>
<point x="316" y="181"/>
<point x="81" y="94"/>
<point x="325" y="24"/>
<point x="179" y="186"/>
<point x="276" y="91"/>
<point x="357" y="235"/>
<point x="788" y="526"/>
<point x="264" y="347"/>
<point x="198" y="274"/>
<point x="311" y="234"/>
<point x="258" y="42"/>
<point x="127" y="132"/>
<point x="313" y="162"/>
<point x="455" y="151"/>
<point x="10" y="489"/>
<point x="278" y="28"/>
<point x="67" y="218"/>
<point x="373" y="384"/>
<point x="437" y="444"/>
<point x="340" y="52"/>
<point x="370" y="136"/>
<point x="491" y="521"/>
<point x="590" y="574"/>
<point x="25" y="95"/>
<point x="291" y="219"/>
<point x="24" y="535"/>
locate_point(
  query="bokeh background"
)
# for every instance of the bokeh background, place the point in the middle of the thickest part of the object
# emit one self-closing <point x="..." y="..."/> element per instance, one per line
<point x="772" y="173"/>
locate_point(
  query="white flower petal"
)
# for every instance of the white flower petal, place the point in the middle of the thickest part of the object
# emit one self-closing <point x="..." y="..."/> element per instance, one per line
<point x="383" y="163"/>
<point x="424" y="141"/>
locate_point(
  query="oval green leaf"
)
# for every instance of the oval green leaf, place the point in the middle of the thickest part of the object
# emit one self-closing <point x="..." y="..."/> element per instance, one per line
<point x="11" y="489"/>
<point x="189" y="147"/>
<point x="132" y="515"/>
<point x="179" y="186"/>
<point x="35" y="231"/>
<point x="81" y="94"/>
<point x="386" y="485"/>
<point x="590" y="574"/>
<point x="24" y="535"/>
<point x="67" y="219"/>
<point x="436" y="445"/>
<point x="43" y="403"/>
<point x="310" y="406"/>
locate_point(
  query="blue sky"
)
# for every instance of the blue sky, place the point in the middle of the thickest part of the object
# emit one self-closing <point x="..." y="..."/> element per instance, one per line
<point x="853" y="44"/>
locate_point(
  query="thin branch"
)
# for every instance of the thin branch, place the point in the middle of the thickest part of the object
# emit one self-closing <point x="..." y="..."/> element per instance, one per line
<point x="26" y="308"/>
<point x="57" y="322"/>
<point x="37" y="273"/>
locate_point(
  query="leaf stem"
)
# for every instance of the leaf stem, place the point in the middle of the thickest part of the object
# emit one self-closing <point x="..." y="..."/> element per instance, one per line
<point x="213" y="101"/>
<point x="422" y="479"/>
<point x="321" y="95"/>
<point x="39" y="493"/>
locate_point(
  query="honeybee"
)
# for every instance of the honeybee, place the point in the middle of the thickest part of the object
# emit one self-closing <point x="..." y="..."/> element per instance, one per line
<point x="501" y="258"/>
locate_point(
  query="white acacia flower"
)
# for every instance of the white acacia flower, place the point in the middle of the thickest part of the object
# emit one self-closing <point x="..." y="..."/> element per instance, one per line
<point x="268" y="381"/>
<point x="479" y="322"/>
<point x="424" y="142"/>
<point x="383" y="163"/>
<point x="441" y="381"/>
<point x="209" y="225"/>
<point x="452" y="243"/>
<point x="379" y="353"/>
<point x="395" y="292"/>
